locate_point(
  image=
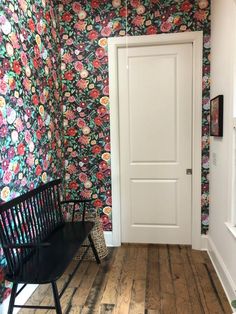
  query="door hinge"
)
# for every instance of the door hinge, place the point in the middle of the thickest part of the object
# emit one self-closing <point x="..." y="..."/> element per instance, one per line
<point x="189" y="171"/>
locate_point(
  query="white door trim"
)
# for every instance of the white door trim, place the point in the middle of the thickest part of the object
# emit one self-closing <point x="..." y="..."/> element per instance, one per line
<point x="196" y="38"/>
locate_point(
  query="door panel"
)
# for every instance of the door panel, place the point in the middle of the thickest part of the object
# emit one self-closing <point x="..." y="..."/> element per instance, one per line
<point x="155" y="102"/>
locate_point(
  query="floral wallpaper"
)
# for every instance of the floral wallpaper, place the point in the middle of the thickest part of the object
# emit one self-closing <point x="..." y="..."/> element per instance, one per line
<point x="53" y="62"/>
<point x="30" y="89"/>
<point x="85" y="27"/>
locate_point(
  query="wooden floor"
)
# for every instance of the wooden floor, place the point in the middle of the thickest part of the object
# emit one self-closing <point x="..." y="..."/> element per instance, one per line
<point x="141" y="279"/>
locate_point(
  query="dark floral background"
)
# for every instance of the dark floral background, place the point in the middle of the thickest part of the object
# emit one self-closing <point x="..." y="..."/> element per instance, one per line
<point x="54" y="91"/>
<point x="85" y="28"/>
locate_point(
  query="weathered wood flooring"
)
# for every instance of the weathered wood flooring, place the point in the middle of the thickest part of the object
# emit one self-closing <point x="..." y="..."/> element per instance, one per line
<point x="141" y="279"/>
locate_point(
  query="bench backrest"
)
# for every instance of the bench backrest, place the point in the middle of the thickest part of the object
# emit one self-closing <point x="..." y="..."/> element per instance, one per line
<point x="29" y="219"/>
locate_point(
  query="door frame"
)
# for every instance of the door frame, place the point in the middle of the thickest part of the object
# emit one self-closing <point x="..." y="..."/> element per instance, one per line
<point x="196" y="39"/>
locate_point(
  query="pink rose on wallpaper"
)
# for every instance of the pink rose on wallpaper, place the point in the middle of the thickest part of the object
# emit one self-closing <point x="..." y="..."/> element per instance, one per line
<point x="83" y="177"/>
<point x="79" y="66"/>
<point x="106" y="31"/>
<point x="80" y="26"/>
<point x="5" y="164"/>
<point x="138" y="20"/>
<point x="106" y="90"/>
<point x="200" y="15"/>
<point x="83" y="139"/>
<point x="28" y="136"/>
<point x="100" y="52"/>
<point x="102" y="110"/>
<point x="67" y="58"/>
<point x="30" y="160"/>
<point x="135" y="3"/>
<point x="27" y="84"/>
<point x="3" y="87"/>
<point x="81" y="123"/>
<point x="86" y="193"/>
<point x="14" y="40"/>
<point x="103" y="166"/>
<point x="3" y="131"/>
<point x="82" y="84"/>
<point x="109" y="201"/>
<point x="19" y="125"/>
<point x="24" y="58"/>
<point x="76" y="7"/>
<point x="166" y="27"/>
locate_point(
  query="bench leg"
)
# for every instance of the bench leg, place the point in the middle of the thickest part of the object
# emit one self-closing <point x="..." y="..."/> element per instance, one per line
<point x="94" y="249"/>
<point x="12" y="299"/>
<point x="56" y="298"/>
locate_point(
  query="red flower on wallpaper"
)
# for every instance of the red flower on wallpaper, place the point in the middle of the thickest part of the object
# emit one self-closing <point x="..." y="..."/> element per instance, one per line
<point x="124" y="12"/>
<point x="186" y="6"/>
<point x="21" y="149"/>
<point x="96" y="63"/>
<point x="35" y="100"/>
<point x="92" y="35"/>
<point x="98" y="121"/>
<point x="69" y="76"/>
<point x="95" y="4"/>
<point x="99" y="175"/>
<point x="38" y="170"/>
<point x="31" y="25"/>
<point x="73" y="185"/>
<point x="94" y="93"/>
<point x="96" y="149"/>
<point x="66" y="17"/>
<point x="16" y="66"/>
<point x="98" y="203"/>
<point x="71" y="131"/>
<point x="151" y="30"/>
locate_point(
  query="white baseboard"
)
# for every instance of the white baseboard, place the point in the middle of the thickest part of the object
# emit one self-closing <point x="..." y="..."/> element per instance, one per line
<point x="204" y="242"/>
<point x="108" y="238"/>
<point x="222" y="271"/>
<point x="21" y="299"/>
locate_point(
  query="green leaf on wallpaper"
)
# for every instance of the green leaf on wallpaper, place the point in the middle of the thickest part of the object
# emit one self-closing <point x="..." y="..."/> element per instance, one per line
<point x="233" y="303"/>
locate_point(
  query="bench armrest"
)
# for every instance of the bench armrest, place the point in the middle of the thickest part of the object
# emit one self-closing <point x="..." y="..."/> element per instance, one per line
<point x="77" y="201"/>
<point x="27" y="245"/>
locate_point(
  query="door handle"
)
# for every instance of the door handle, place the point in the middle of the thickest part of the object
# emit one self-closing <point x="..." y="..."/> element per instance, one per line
<point x="189" y="172"/>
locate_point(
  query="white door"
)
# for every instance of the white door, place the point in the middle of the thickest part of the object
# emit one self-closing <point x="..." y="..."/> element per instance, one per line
<point x="155" y="131"/>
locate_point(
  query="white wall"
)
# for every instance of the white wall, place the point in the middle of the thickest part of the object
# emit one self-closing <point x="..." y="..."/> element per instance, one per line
<point x="222" y="243"/>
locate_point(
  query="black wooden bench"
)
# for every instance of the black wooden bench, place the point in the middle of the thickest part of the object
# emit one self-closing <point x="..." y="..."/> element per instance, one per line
<point x="38" y="244"/>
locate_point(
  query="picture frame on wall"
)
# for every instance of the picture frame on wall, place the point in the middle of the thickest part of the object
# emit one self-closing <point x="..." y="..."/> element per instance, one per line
<point x="216" y="116"/>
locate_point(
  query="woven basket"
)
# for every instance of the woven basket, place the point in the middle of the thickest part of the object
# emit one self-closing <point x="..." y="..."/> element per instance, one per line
<point x="98" y="239"/>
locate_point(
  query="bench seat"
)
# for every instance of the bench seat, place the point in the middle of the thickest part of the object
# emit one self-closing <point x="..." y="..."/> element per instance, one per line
<point x="50" y="262"/>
